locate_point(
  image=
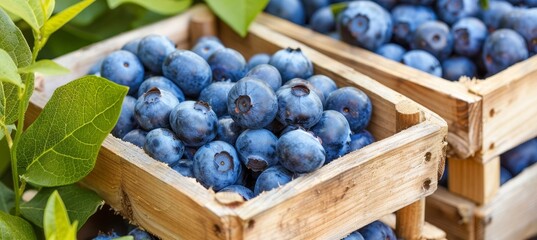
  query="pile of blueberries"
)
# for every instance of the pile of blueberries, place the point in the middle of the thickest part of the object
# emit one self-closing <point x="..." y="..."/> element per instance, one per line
<point x="512" y="162"/>
<point x="446" y="38"/>
<point x="135" y="233"/>
<point x="233" y="125"/>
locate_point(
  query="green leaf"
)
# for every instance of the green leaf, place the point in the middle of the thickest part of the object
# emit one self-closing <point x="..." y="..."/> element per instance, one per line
<point x="9" y="127"/>
<point x="47" y="67"/>
<point x="37" y="9"/>
<point x="81" y="203"/>
<point x="14" y="43"/>
<point x="338" y="7"/>
<point x="60" y="19"/>
<point x="238" y="14"/>
<point x="7" y="198"/>
<point x="165" y="7"/>
<point x="484" y="4"/>
<point x="48" y="7"/>
<point x="55" y="220"/>
<point x="12" y="227"/>
<point x="8" y="71"/>
<point x="25" y="10"/>
<point x="61" y="146"/>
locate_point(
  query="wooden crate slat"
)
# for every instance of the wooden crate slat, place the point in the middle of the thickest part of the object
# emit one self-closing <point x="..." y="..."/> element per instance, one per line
<point x="453" y="214"/>
<point x="430" y="232"/>
<point x="475" y="180"/>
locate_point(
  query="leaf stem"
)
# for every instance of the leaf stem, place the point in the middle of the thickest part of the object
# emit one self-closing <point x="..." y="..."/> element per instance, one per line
<point x="8" y="137"/>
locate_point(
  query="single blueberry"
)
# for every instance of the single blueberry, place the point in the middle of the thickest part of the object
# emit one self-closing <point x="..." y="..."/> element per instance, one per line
<point x="162" y="145"/>
<point x="354" y="236"/>
<point x="124" y="68"/>
<point x="469" y="35"/>
<point x="139" y="234"/>
<point x="228" y="130"/>
<point x="163" y="84"/>
<point x="433" y="37"/>
<point x="423" y="61"/>
<point x="195" y="123"/>
<point x="300" y="152"/>
<point x="520" y="157"/>
<point x="272" y="178"/>
<point x="206" y="46"/>
<point x="418" y="2"/>
<point x="227" y="64"/>
<point x="245" y="193"/>
<point x="216" y="165"/>
<point x="505" y="175"/>
<point x="152" y="51"/>
<point x="152" y="109"/>
<point x="360" y="140"/>
<point x="257" y="149"/>
<point x="377" y="230"/>
<point x="388" y="4"/>
<point x="354" y="104"/>
<point x="451" y="11"/>
<point x="258" y="59"/>
<point x="216" y="95"/>
<point x="323" y="21"/>
<point x="334" y="132"/>
<point x="290" y="128"/>
<point x="298" y="104"/>
<point x="292" y="63"/>
<point x="391" y="51"/>
<point x="132" y="46"/>
<point x="136" y="137"/>
<point x="525" y="24"/>
<point x="188" y="71"/>
<point x="106" y="236"/>
<point x="299" y="81"/>
<point x="492" y="16"/>
<point x="311" y="6"/>
<point x="268" y="74"/>
<point x="252" y="103"/>
<point x="126" y="121"/>
<point x="455" y="67"/>
<point x="407" y="18"/>
<point x="291" y="10"/>
<point x="323" y="84"/>
<point x="184" y="167"/>
<point x="365" y="24"/>
<point x="503" y="48"/>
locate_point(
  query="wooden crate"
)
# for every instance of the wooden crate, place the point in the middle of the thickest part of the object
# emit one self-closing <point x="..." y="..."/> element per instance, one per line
<point x="398" y="170"/>
<point x="483" y="116"/>
<point x="512" y="213"/>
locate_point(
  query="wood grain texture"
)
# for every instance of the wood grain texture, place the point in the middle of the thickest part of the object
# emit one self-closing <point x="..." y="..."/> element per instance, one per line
<point x="474" y="180"/>
<point x="451" y="213"/>
<point x="430" y="232"/>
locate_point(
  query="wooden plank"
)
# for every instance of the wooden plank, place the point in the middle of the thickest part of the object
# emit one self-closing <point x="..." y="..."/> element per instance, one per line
<point x="430" y="232"/>
<point x="453" y="214"/>
<point x="461" y="110"/>
<point x="474" y="180"/>
<point x="512" y="214"/>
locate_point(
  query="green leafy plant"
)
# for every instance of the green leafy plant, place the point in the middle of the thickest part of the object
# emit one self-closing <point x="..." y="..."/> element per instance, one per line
<point x="61" y="146"/>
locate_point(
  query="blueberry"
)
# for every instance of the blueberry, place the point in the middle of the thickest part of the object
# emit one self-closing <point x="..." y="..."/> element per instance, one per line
<point x="132" y="46"/>
<point x="387" y="4"/>
<point x="300" y="152"/>
<point x="124" y="68"/>
<point x="360" y="140"/>
<point x="469" y="35"/>
<point x="407" y="18"/>
<point x="505" y="175"/>
<point x="435" y="38"/>
<point x="377" y="230"/>
<point x="520" y="157"/>
<point x="188" y="71"/>
<point x="503" y="48"/>
<point x="245" y="193"/>
<point x="530" y="3"/>
<point x="190" y="152"/>
<point x="323" y="21"/>
<point x="354" y="236"/>
<point x="456" y="67"/>
<point x="126" y="121"/>
<point x="162" y="145"/>
<point x="161" y="83"/>
<point x="272" y="178"/>
<point x="228" y="130"/>
<point x="423" y="61"/>
<point x="365" y="24"/>
<point x="268" y="74"/>
<point x="195" y="123"/>
<point x="252" y="103"/>
<point x="443" y="181"/>
<point x="184" y="167"/>
<point x="257" y="149"/>
<point x="152" y="51"/>
<point x="105" y="236"/>
<point x="334" y="132"/>
<point x="492" y="16"/>
<point x="258" y="59"/>
<point x="216" y="96"/>
<point x="418" y="2"/>
<point x="353" y="104"/>
<point x="136" y="137"/>
<point x="298" y="81"/>
<point x="216" y="165"/>
<point x="526" y="25"/>
<point x="391" y="51"/>
<point x="152" y="109"/>
<point x="227" y="64"/>
<point x="96" y="68"/>
<point x="298" y="104"/>
<point x="292" y="63"/>
<point x="450" y="11"/>
<point x="311" y="6"/>
<point x="139" y="234"/>
<point x="290" y="128"/>
<point x="206" y="46"/>
<point x="291" y="10"/>
<point x="323" y="84"/>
